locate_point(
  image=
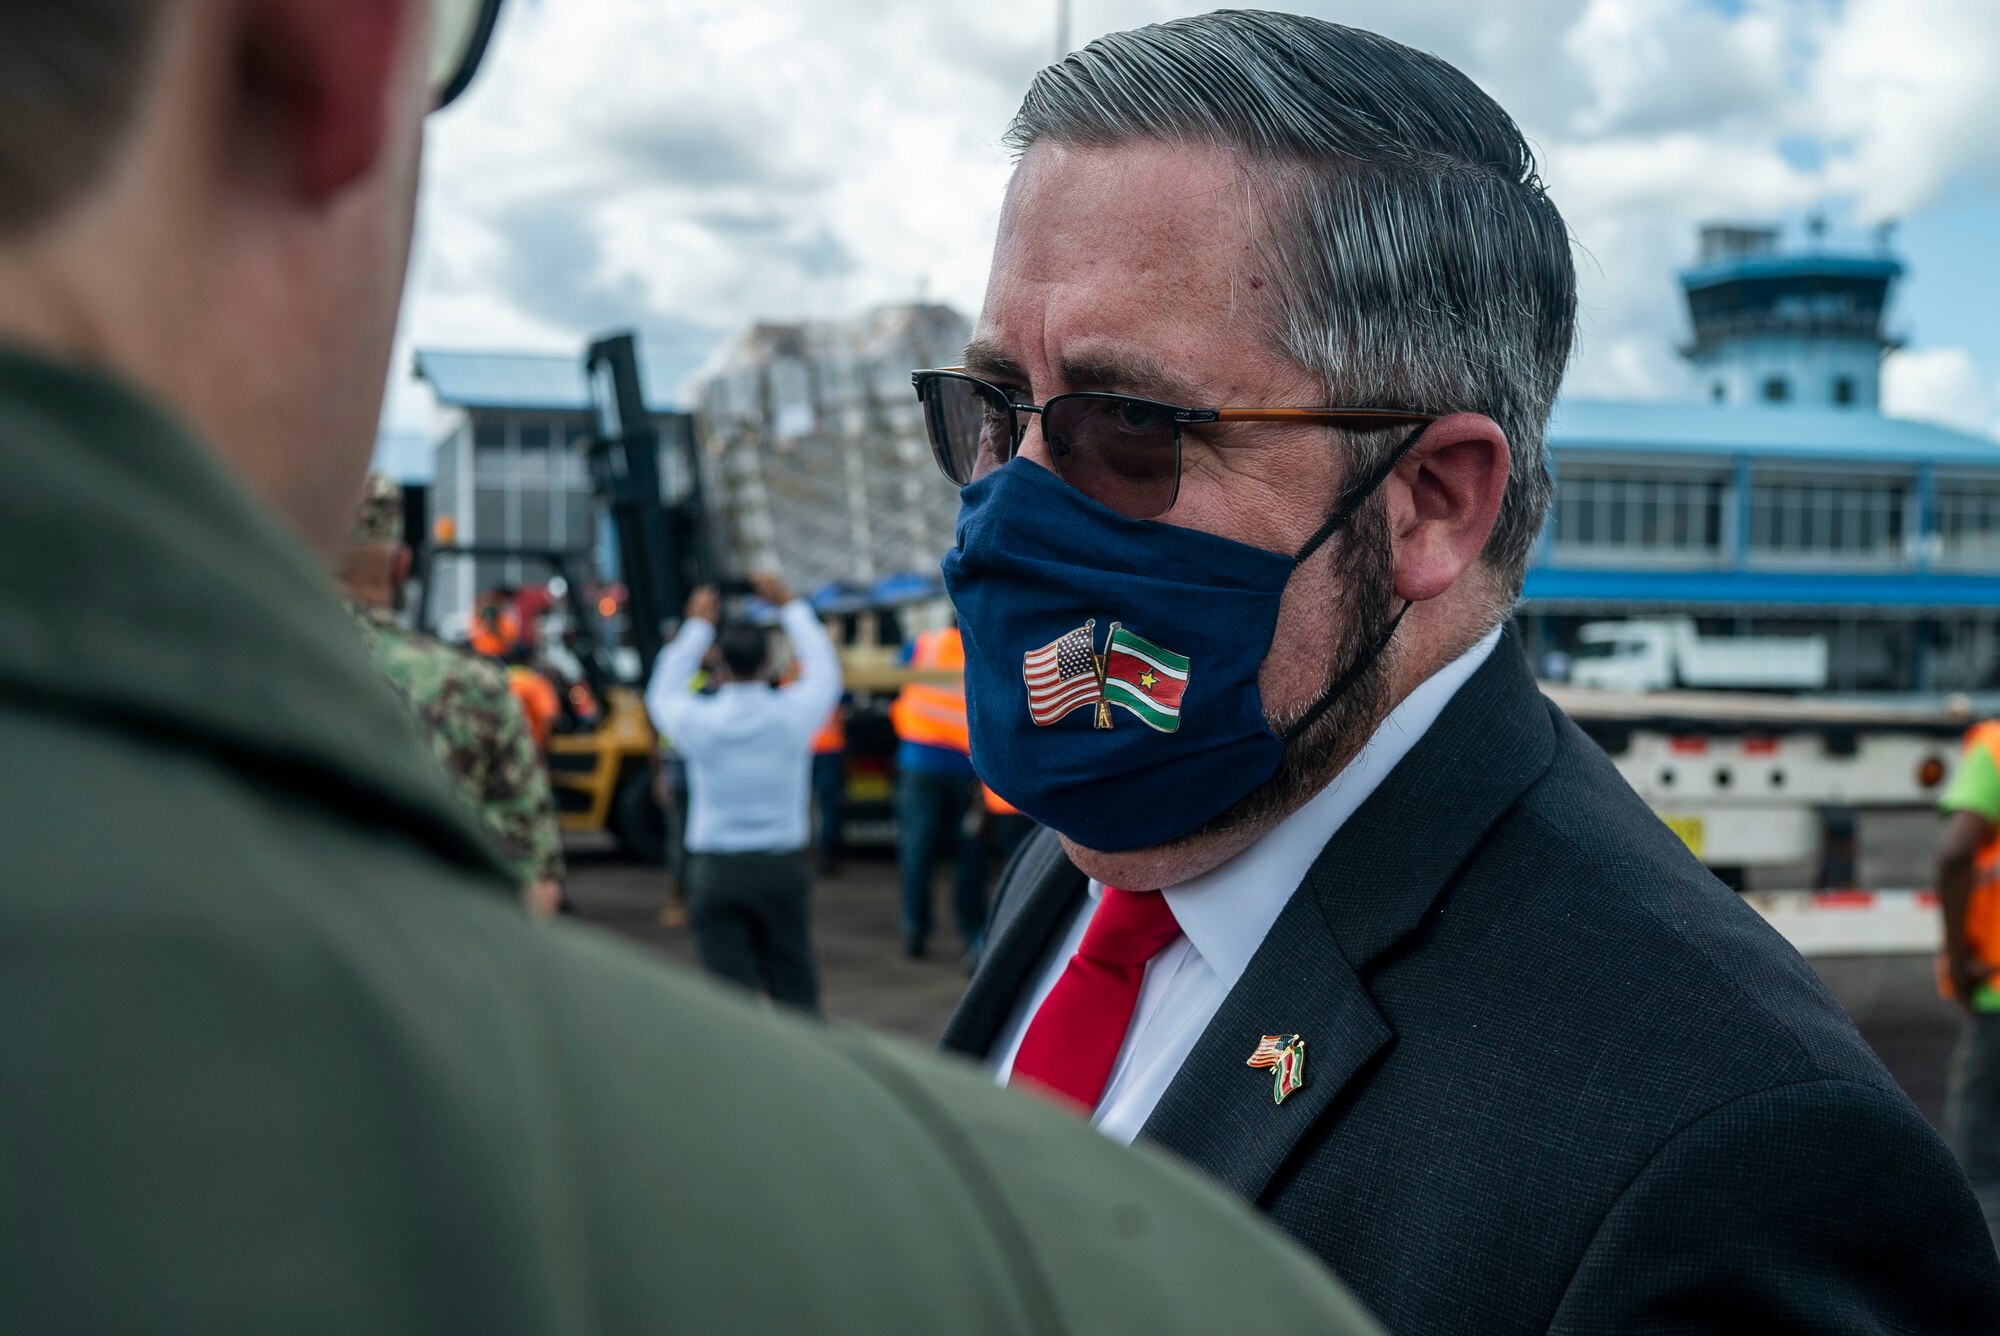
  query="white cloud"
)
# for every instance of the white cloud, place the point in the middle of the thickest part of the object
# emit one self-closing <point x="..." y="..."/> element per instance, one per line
<point x="1664" y="67"/>
<point x="1942" y="385"/>
<point x="687" y="166"/>
<point x="1907" y="89"/>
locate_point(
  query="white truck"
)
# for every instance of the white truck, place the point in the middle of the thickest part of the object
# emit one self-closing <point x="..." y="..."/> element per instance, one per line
<point x="1668" y="652"/>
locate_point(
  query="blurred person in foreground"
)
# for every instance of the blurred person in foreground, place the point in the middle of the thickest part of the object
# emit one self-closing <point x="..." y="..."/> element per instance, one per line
<point x="1968" y="883"/>
<point x="1337" y="906"/>
<point x="281" y="1050"/>
<point x="748" y="749"/>
<point x="469" y="710"/>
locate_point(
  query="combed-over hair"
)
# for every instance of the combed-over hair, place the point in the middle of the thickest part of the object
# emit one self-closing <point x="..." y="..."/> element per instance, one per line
<point x="1418" y="261"/>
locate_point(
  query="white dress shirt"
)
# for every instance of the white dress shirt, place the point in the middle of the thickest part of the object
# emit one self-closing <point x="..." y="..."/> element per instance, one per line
<point x="748" y="747"/>
<point x="1225" y="915"/>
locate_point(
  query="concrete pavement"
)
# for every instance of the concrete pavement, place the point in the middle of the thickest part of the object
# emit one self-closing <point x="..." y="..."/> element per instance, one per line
<point x="863" y="976"/>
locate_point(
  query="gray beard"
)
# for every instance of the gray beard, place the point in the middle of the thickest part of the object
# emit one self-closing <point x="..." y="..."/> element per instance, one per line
<point x="1365" y="609"/>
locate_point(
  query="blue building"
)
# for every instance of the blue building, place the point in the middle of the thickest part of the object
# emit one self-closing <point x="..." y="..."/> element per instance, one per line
<point x="1779" y="500"/>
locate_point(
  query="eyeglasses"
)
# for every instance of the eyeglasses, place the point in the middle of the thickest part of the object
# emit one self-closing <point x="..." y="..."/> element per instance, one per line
<point x="460" y="30"/>
<point x="1120" y="451"/>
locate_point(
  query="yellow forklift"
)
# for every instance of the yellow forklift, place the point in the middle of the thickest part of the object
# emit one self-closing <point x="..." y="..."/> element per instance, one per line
<point x="603" y="755"/>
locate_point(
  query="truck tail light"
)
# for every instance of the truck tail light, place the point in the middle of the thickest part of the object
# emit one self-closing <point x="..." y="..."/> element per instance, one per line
<point x="1931" y="773"/>
<point x="1760" y="746"/>
<point x="1688" y="746"/>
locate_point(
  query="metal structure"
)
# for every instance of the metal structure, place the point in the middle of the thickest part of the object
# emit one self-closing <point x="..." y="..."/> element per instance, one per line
<point x="661" y="535"/>
<point x="817" y="450"/>
<point x="641" y="471"/>
<point x="512" y="465"/>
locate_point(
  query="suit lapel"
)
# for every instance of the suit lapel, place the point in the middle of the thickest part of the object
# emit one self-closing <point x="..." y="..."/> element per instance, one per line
<point x="1374" y="883"/>
<point x="1038" y="894"/>
<point x="1219" y="1112"/>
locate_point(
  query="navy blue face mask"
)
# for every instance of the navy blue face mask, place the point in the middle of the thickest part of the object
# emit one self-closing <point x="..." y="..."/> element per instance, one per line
<point x="1111" y="663"/>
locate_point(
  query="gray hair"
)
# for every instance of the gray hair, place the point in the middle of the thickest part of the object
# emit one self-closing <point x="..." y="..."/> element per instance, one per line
<point x="1418" y="261"/>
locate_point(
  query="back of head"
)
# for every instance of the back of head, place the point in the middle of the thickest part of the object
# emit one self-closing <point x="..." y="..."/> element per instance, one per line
<point x="745" y="650"/>
<point x="211" y="202"/>
<point x="69" y="80"/>
<point x="1418" y="262"/>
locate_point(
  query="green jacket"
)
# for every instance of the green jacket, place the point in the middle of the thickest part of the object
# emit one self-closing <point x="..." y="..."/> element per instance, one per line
<point x="280" y="1053"/>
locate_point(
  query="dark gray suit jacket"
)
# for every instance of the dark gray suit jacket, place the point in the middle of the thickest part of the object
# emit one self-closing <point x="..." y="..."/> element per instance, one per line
<point x="1558" y="1078"/>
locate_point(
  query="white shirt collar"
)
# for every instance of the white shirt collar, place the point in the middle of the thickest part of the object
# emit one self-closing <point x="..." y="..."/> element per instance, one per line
<point x="1228" y="911"/>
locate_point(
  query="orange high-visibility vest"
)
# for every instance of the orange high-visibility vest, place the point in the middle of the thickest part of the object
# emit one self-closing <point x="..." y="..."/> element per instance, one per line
<point x="934" y="716"/>
<point x="997" y="805"/>
<point x="1982" y="915"/>
<point x="493" y="639"/>
<point x="832" y="735"/>
<point x="537" y="696"/>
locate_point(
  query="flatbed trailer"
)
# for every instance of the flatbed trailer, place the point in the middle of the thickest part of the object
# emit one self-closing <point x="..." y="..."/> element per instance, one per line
<point x="1752" y="781"/>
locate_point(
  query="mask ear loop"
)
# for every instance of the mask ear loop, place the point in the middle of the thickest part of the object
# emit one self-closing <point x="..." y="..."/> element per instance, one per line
<point x="1345" y="511"/>
<point x="1344" y="681"/>
<point x="1333" y="525"/>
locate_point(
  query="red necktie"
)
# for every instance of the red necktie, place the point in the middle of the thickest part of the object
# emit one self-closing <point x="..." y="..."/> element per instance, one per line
<point x="1074" y="1038"/>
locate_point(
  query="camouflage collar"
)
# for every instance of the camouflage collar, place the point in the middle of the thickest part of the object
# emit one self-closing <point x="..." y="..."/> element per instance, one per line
<point x="372" y="614"/>
<point x="140" y="588"/>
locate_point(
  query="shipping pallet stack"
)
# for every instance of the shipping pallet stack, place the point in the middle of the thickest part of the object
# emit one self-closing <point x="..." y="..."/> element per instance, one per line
<point x="821" y="468"/>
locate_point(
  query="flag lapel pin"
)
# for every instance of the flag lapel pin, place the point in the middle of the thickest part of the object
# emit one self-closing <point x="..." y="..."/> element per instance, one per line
<point x="1285" y="1055"/>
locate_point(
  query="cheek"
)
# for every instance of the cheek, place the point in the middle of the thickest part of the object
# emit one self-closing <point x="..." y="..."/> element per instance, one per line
<point x="1265" y="485"/>
<point x="1233" y="493"/>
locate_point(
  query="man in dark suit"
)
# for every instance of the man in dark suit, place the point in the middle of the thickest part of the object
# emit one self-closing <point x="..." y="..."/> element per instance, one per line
<point x="1357" y="922"/>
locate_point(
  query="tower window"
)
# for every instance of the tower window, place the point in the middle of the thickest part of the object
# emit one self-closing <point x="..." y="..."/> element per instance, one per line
<point x="1777" y="390"/>
<point x="1843" y="389"/>
<point x="1716" y="393"/>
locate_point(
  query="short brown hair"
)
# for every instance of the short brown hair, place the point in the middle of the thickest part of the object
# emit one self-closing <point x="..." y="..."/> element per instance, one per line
<point x="70" y="72"/>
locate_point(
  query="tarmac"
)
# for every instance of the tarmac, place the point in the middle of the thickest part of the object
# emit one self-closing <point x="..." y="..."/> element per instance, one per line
<point x="865" y="979"/>
<point x="863" y="975"/>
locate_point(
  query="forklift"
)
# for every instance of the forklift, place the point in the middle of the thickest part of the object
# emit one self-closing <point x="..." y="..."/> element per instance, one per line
<point x="604" y="755"/>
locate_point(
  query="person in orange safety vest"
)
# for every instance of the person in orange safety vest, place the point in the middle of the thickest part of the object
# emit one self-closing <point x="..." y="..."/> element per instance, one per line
<point x="1968" y="884"/>
<point x="1008" y="823"/>
<point x="496" y="627"/>
<point x="538" y="699"/>
<point x="830" y="787"/>
<point x="934" y="795"/>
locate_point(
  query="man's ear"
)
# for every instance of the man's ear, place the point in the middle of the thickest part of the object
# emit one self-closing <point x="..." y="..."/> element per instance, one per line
<point x="316" y="79"/>
<point x="1443" y="500"/>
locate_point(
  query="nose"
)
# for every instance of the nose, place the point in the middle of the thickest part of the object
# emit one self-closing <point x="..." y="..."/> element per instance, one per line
<point x="1034" y="445"/>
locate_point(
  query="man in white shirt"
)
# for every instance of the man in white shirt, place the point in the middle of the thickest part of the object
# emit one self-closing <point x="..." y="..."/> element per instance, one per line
<point x="1334" y="904"/>
<point x="748" y="750"/>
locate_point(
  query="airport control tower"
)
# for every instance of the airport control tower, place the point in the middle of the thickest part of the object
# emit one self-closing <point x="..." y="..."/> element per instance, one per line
<point x="1779" y="327"/>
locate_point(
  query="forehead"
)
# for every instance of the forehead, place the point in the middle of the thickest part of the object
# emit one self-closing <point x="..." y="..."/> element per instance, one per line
<point x="1148" y="246"/>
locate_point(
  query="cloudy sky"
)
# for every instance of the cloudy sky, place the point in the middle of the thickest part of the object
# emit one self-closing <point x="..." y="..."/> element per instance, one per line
<point x="687" y="166"/>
